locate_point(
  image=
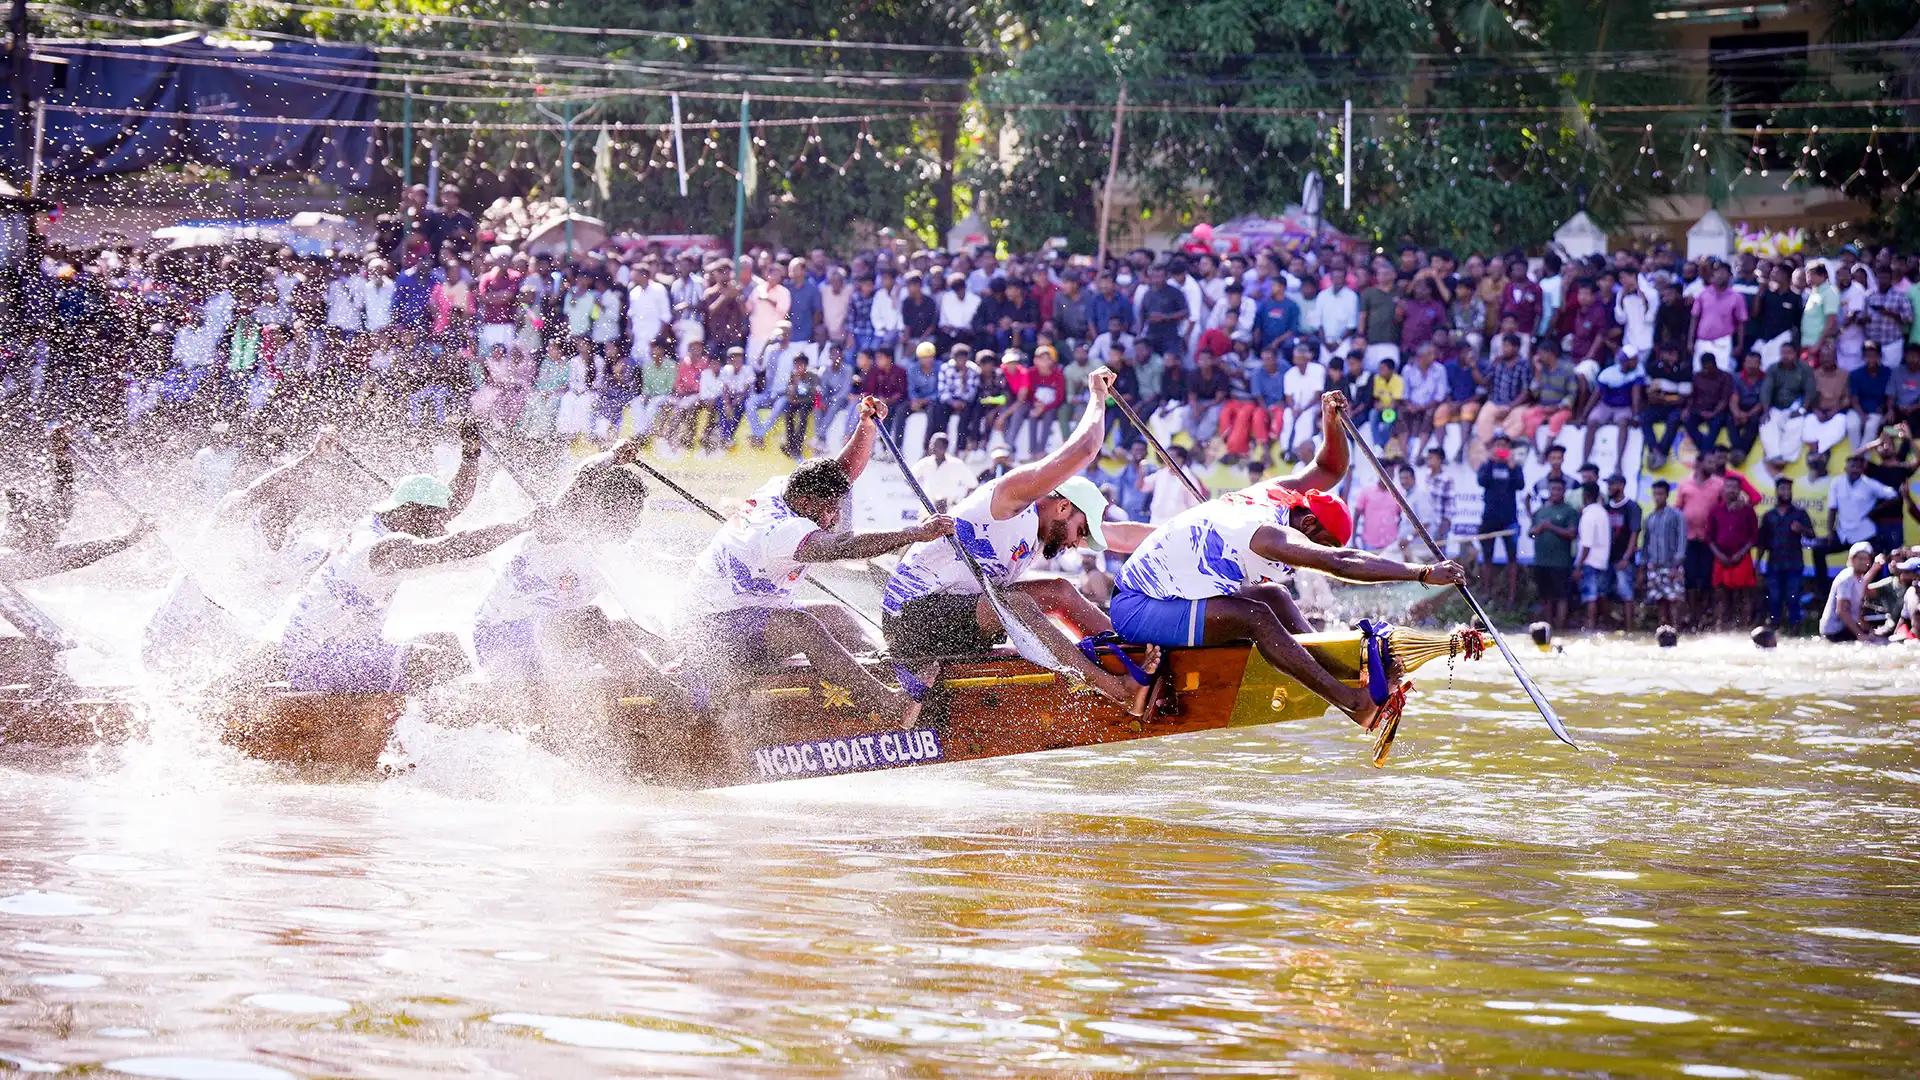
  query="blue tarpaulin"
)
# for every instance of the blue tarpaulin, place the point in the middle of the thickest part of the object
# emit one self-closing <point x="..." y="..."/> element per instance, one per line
<point x="301" y="92"/>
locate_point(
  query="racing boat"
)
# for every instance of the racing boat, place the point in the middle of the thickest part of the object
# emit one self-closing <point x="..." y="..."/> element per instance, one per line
<point x="785" y="725"/>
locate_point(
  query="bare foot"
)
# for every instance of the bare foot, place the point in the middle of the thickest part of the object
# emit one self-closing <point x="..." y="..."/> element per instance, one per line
<point x="910" y="718"/>
<point x="1143" y="695"/>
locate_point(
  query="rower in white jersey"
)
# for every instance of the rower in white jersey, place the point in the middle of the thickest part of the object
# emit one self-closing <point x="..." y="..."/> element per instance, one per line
<point x="334" y="639"/>
<point x="932" y="605"/>
<point x="248" y="561"/>
<point x="541" y="619"/>
<point x="1217" y="573"/>
<point x="739" y="604"/>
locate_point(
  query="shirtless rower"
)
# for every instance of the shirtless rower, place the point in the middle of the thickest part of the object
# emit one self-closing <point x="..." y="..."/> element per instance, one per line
<point x="739" y="602"/>
<point x="247" y="563"/>
<point x="30" y="548"/>
<point x="542" y="605"/>
<point x="933" y="606"/>
<point x="1216" y="573"/>
<point x="334" y="640"/>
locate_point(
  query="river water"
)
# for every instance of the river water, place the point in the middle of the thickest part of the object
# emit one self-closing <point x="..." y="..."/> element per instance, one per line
<point x="1722" y="883"/>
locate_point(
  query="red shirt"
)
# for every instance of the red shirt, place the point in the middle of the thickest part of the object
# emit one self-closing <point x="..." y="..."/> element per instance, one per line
<point x="686" y="378"/>
<point x="1019" y="377"/>
<point x="1732" y="528"/>
<point x="499" y="296"/>
<point x="1049" y="390"/>
<point x="886" y="383"/>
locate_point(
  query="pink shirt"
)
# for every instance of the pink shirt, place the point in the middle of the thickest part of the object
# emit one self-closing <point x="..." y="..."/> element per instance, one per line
<point x="1379" y="517"/>
<point x="1719" y="312"/>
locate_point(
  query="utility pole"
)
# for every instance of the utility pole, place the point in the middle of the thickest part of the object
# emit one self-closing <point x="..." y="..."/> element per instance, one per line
<point x="740" y="190"/>
<point x="19" y="71"/>
<point x="406" y="137"/>
<point x="565" y="118"/>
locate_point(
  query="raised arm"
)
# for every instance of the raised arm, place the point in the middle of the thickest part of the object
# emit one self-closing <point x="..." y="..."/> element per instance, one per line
<point x="1028" y="484"/>
<point x="859" y="449"/>
<point x="466" y="480"/>
<point x="1329" y="466"/>
<point x="1281" y="544"/>
<point x="824" y="546"/>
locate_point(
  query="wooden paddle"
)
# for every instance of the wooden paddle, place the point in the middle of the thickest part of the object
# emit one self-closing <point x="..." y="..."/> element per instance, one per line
<point x="1133" y="418"/>
<point x="1520" y="673"/>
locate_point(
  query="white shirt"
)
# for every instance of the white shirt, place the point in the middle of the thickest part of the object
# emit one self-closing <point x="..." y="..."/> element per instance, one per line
<point x="1204" y="552"/>
<point x="1596" y="537"/>
<point x="1003" y="548"/>
<point x="958" y="309"/>
<point x="346" y="300"/>
<point x="946" y="481"/>
<point x="886" y="315"/>
<point x="1846" y="586"/>
<point x="649" y="309"/>
<point x="379" y="299"/>
<point x="540" y="579"/>
<point x="606" y="315"/>
<point x="346" y="600"/>
<point x="1634" y="312"/>
<point x="1304" y="385"/>
<point x="1169" y="497"/>
<point x="1238" y="325"/>
<point x="711" y="385"/>
<point x="750" y="562"/>
<point x="1852" y="500"/>
<point x="193" y="346"/>
<point x="1339" y="312"/>
<point x="737" y="381"/>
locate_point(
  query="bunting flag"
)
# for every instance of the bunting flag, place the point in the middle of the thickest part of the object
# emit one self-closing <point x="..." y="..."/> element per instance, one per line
<point x="603" y="165"/>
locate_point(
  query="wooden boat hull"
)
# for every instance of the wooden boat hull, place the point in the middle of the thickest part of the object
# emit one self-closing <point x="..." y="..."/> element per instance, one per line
<point x="788" y="725"/>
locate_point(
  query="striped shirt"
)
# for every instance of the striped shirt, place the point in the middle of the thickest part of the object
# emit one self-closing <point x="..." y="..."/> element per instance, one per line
<point x="1557" y="385"/>
<point x="1506" y="382"/>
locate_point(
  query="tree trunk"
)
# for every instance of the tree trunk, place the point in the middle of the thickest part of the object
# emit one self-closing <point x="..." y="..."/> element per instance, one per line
<point x="949" y="135"/>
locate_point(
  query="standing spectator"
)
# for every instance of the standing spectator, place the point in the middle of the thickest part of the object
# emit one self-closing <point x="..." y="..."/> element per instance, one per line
<point x="1672" y="319"/>
<point x="1380" y="318"/>
<point x="1621" y="395"/>
<point x="1376" y="515"/>
<point x="1785" y="531"/>
<point x="1163" y="312"/>
<point x="803" y="305"/>
<point x="1784" y="395"/>
<point x="1167" y="494"/>
<point x="1419" y="315"/>
<point x="1732" y="530"/>
<point x="1819" y="310"/>
<point x="1104" y="306"/>
<point x="1665" y="550"/>
<point x="1623" y="525"/>
<point x="1777" y="313"/>
<point x="836" y="306"/>
<point x="1433" y="499"/>
<point x="1338" y="310"/>
<point x="1500" y="481"/>
<point x="1719" y="316"/>
<point x="1635" y="310"/>
<point x="1554" y="531"/>
<point x="944" y="477"/>
<point x="1844" y="619"/>
<point x="768" y="311"/>
<point x="1887" y="318"/>
<point x="498" y="297"/>
<point x="649" y="311"/>
<point x="1277" y="318"/>
<point x="1593" y="541"/>
<point x="609" y="322"/>
<point x="1592" y="318"/>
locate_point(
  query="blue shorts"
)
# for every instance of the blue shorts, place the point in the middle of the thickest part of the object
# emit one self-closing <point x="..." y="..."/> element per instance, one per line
<point x="348" y="667"/>
<point x="738" y="636"/>
<point x="1594" y="583"/>
<point x="508" y="650"/>
<point x="1142" y="619"/>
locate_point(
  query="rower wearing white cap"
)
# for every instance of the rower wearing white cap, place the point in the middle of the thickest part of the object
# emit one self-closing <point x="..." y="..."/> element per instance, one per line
<point x="334" y="639"/>
<point x="932" y="605"/>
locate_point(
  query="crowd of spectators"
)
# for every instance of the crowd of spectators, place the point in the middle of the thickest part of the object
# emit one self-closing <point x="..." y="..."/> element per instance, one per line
<point x="1486" y="369"/>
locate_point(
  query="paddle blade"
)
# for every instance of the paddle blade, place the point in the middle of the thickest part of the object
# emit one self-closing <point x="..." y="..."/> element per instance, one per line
<point x="1026" y="642"/>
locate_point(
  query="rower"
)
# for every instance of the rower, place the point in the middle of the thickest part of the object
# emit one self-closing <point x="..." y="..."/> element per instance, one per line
<point x="1216" y="573"/>
<point x="739" y="604"/>
<point x="248" y="563"/>
<point x="541" y="607"/>
<point x="333" y="638"/>
<point x="30" y="548"/>
<point x="933" y="606"/>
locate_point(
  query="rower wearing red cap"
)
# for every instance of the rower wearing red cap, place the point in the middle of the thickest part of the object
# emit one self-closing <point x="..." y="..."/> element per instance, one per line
<point x="1216" y="573"/>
